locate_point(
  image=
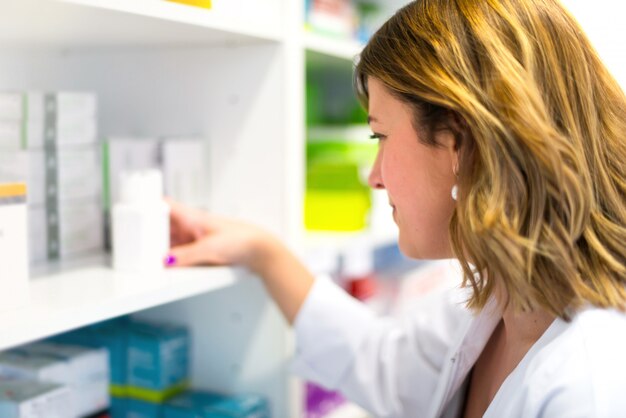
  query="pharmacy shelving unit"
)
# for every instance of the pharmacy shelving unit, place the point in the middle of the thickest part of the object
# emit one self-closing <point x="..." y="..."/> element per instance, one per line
<point x="231" y="74"/>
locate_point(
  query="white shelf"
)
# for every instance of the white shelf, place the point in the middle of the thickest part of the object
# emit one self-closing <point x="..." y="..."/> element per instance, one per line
<point x="123" y="23"/>
<point x="338" y="48"/>
<point x="66" y="300"/>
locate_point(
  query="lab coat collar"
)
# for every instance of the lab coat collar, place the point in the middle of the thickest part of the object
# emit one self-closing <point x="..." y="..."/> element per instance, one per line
<point x="465" y="353"/>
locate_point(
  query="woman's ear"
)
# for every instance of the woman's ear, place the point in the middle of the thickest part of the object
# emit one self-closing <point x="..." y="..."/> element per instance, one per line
<point x="454" y="138"/>
<point x="459" y="128"/>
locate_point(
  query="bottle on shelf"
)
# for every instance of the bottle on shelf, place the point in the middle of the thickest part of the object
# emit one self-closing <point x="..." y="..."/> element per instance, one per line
<point x="140" y="223"/>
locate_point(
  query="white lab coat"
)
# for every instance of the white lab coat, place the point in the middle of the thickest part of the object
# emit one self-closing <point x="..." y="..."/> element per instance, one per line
<point x="419" y="366"/>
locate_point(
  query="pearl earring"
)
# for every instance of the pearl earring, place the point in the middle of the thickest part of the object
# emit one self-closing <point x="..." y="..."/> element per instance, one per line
<point x="455" y="192"/>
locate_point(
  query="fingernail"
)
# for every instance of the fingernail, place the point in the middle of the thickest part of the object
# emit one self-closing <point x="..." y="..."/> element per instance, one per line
<point x="170" y="260"/>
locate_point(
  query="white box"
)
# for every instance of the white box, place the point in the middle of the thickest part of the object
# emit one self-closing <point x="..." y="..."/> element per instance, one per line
<point x="185" y="170"/>
<point x="72" y="132"/>
<point x="14" y="167"/>
<point x="81" y="230"/>
<point x="70" y="106"/>
<point x="11" y="106"/>
<point x="29" y="399"/>
<point x="88" y="373"/>
<point x="12" y="135"/>
<point x="16" y="365"/>
<point x="23" y="119"/>
<point x="78" y="172"/>
<point x="18" y="135"/>
<point x="13" y="246"/>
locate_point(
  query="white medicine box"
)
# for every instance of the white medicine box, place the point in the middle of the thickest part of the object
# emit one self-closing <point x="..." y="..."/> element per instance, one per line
<point x="13" y="246"/>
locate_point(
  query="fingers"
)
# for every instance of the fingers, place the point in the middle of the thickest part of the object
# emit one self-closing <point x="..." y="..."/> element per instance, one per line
<point x="184" y="255"/>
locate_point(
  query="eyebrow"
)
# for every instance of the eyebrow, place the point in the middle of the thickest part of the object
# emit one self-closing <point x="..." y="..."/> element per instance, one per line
<point x="371" y="119"/>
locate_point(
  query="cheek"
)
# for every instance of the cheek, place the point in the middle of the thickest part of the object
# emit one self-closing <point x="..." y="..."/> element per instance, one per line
<point x="421" y="193"/>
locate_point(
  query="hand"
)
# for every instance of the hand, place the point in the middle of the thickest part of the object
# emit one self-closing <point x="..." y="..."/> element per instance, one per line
<point x="200" y="238"/>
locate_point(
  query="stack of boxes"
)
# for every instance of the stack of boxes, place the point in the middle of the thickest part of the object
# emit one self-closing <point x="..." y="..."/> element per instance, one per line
<point x="48" y="140"/>
<point x="82" y="373"/>
<point x="149" y="362"/>
<point x="150" y="373"/>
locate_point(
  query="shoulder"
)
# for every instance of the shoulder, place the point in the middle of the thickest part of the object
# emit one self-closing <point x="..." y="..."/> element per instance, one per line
<point x="581" y="367"/>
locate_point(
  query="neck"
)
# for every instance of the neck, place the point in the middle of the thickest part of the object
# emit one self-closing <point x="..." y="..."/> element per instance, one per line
<point x="522" y="327"/>
<point x="525" y="327"/>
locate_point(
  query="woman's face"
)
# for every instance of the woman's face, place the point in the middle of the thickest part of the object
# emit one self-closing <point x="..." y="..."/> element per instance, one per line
<point x="418" y="178"/>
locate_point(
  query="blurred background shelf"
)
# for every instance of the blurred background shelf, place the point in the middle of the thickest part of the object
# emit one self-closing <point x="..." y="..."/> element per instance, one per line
<point x="344" y="49"/>
<point x="77" y="296"/>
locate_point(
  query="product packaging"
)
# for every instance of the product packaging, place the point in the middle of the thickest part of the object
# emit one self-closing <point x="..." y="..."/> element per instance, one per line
<point x="199" y="404"/>
<point x="30" y="399"/>
<point x="88" y="373"/>
<point x="140" y="223"/>
<point x="13" y="246"/>
<point x="158" y="361"/>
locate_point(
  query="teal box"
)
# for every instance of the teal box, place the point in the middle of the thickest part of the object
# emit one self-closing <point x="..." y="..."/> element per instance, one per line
<point x="141" y="409"/>
<point x="197" y="404"/>
<point x="158" y="356"/>
<point x="133" y="408"/>
<point x="112" y="335"/>
<point x="119" y="407"/>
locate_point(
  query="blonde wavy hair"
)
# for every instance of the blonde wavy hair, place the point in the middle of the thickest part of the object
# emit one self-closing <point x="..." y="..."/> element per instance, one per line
<point x="542" y="144"/>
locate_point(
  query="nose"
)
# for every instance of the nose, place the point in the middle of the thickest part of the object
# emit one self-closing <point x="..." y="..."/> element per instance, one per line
<point x="375" y="179"/>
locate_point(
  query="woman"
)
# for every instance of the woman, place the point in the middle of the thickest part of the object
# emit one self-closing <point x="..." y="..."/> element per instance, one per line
<point x="501" y="143"/>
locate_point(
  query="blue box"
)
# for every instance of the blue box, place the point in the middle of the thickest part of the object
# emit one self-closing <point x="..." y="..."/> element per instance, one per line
<point x="118" y="408"/>
<point x="197" y="404"/>
<point x="158" y="356"/>
<point x="140" y="409"/>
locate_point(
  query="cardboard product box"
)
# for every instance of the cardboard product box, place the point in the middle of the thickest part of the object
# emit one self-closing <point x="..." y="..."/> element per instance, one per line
<point x="14" y="166"/>
<point x="135" y="408"/>
<point x="11" y="106"/>
<point x="30" y="399"/>
<point x="70" y="105"/>
<point x="111" y="335"/>
<point x="119" y="407"/>
<point x="80" y="230"/>
<point x="17" y="135"/>
<point x="185" y="172"/>
<point x="76" y="174"/>
<point x="29" y="120"/>
<point x="88" y="373"/>
<point x="13" y="246"/>
<point x="123" y="154"/>
<point x="158" y="360"/>
<point x="199" y="404"/>
<point x="17" y="365"/>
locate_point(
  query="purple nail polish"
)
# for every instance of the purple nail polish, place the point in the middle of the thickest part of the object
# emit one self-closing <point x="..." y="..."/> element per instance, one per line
<point x="170" y="260"/>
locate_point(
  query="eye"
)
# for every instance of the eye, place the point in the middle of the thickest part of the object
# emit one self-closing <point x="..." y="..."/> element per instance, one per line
<point x="377" y="136"/>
